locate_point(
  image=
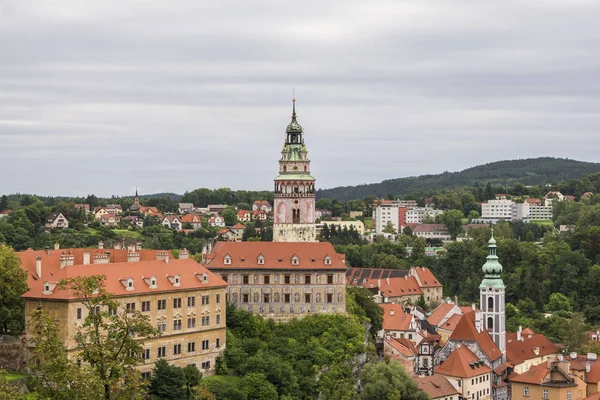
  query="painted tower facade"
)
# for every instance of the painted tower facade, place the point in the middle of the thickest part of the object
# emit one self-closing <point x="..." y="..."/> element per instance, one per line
<point x="294" y="208"/>
<point x="492" y="291"/>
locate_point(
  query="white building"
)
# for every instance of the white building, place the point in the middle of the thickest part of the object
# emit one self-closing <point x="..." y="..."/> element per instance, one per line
<point x="382" y="215"/>
<point x="416" y="214"/>
<point x="497" y="210"/>
<point x="432" y="231"/>
<point x="526" y="211"/>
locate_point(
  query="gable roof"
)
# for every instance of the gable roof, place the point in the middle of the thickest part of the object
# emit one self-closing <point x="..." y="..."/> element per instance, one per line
<point x="462" y="363"/>
<point x="277" y="255"/>
<point x="403" y="346"/>
<point x="361" y="276"/>
<point x="451" y="323"/>
<point x="396" y="287"/>
<point x="394" y="317"/>
<point x="238" y="226"/>
<point x="465" y="331"/>
<point x="518" y="351"/>
<point x="537" y="373"/>
<point x="242" y="213"/>
<point x="439" y="313"/>
<point x="426" y="277"/>
<point x="436" y="386"/>
<point x="190" y="218"/>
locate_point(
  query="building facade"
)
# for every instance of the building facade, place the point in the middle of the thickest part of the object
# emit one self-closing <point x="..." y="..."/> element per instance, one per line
<point x="384" y="214"/>
<point x="492" y="294"/>
<point x="294" y="200"/>
<point x="281" y="280"/>
<point x="182" y="299"/>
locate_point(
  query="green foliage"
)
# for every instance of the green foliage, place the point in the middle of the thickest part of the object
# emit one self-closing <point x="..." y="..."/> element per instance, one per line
<point x="229" y="216"/>
<point x="452" y="219"/>
<point x="381" y="381"/>
<point x="532" y="171"/>
<point x="389" y="228"/>
<point x="371" y="310"/>
<point x="295" y="358"/>
<point x="13" y="281"/>
<point x="9" y="392"/>
<point x="168" y="382"/>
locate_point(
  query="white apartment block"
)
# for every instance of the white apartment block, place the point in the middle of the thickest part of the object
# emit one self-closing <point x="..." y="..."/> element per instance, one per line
<point x="526" y="211"/>
<point x="497" y="209"/>
<point x="415" y="215"/>
<point x="405" y="203"/>
<point x="382" y="215"/>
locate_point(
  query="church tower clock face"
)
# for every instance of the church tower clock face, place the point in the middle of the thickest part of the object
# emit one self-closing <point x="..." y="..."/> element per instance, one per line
<point x="294" y="204"/>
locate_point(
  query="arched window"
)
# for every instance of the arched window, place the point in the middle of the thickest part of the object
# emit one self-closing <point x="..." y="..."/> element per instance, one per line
<point x="284" y="168"/>
<point x="490" y="323"/>
<point x="490" y="303"/>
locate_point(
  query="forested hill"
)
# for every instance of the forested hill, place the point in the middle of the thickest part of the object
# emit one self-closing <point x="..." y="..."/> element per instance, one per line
<point x="530" y="171"/>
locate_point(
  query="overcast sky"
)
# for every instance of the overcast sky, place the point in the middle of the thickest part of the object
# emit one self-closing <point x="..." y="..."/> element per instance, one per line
<point x="100" y="96"/>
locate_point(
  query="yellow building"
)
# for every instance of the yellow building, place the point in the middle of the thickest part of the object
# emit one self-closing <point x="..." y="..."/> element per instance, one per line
<point x="469" y="375"/>
<point x="551" y="380"/>
<point x="182" y="299"/>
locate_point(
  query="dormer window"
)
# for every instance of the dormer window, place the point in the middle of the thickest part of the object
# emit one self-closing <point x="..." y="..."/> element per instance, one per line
<point x="327" y="260"/>
<point x="261" y="259"/>
<point x="295" y="260"/>
<point x="127" y="284"/>
<point x="175" y="280"/>
<point x="227" y="260"/>
<point x="151" y="282"/>
<point x="204" y="277"/>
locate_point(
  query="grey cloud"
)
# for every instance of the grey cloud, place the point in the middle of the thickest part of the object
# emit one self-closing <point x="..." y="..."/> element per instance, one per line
<point x="170" y="96"/>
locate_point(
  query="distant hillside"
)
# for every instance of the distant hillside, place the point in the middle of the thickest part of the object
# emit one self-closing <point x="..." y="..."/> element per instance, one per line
<point x="172" y="196"/>
<point x="530" y="171"/>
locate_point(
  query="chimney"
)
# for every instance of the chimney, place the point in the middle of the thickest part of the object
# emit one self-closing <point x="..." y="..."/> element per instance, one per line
<point x="204" y="253"/>
<point x="391" y="312"/>
<point x="588" y="367"/>
<point x="66" y="260"/>
<point x="47" y="250"/>
<point x="38" y="266"/>
<point x="101" y="258"/>
<point x="387" y="280"/>
<point x="473" y="307"/>
<point x="101" y="245"/>
<point x="131" y="248"/>
<point x="520" y="334"/>
<point x="162" y="255"/>
<point x="86" y="258"/>
<point x="478" y="321"/>
<point x="573" y="355"/>
<point x="138" y="246"/>
<point x="209" y="247"/>
<point x="133" y="256"/>
<point x="56" y="246"/>
<point x="184" y="254"/>
<point x="456" y="300"/>
<point x="592" y="356"/>
<point x="561" y="357"/>
<point x="117" y="245"/>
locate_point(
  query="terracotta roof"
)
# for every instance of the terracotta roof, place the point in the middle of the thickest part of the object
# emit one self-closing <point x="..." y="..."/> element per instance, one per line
<point x="518" y="351"/>
<point x="172" y="218"/>
<point x="396" y="287"/>
<point x="362" y="276"/>
<point x="451" y="323"/>
<point x="430" y="228"/>
<point x="528" y="331"/>
<point x="595" y="396"/>
<point x="426" y="277"/>
<point x="436" y="386"/>
<point x="465" y="330"/>
<point x="277" y="255"/>
<point x="238" y="226"/>
<point x="580" y="363"/>
<point x="462" y="363"/>
<point x="403" y="346"/>
<point x="536" y="374"/>
<point x="152" y="210"/>
<point x="394" y="317"/>
<point x="533" y="201"/>
<point x="190" y="218"/>
<point x="117" y="273"/>
<point x="439" y="313"/>
<point x="242" y="213"/>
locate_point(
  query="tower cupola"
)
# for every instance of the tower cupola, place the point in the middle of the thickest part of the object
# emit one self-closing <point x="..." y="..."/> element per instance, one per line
<point x="294" y="129"/>
<point x="492" y="267"/>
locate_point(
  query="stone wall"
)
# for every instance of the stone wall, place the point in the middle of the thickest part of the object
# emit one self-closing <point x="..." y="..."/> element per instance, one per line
<point x="13" y="353"/>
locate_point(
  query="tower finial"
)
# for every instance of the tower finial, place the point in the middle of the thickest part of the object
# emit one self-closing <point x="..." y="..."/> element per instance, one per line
<point x="293" y="102"/>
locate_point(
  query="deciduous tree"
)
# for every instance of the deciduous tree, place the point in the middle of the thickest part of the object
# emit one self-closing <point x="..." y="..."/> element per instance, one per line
<point x="13" y="283"/>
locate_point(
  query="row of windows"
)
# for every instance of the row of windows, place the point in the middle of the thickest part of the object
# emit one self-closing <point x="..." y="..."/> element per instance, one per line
<point x="177" y="349"/>
<point x="480" y="379"/>
<point x="545" y="393"/>
<point x="287" y="298"/>
<point x="160" y="304"/>
<point x="266" y="279"/>
<point x="295" y="260"/>
<point x="161" y="326"/>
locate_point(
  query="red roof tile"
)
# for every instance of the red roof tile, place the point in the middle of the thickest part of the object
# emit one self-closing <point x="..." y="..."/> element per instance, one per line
<point x="518" y="351"/>
<point x="394" y="317"/>
<point x="462" y="363"/>
<point x="436" y="386"/>
<point x="465" y="330"/>
<point x="451" y="323"/>
<point x="426" y="277"/>
<point x="439" y="313"/>
<point x="403" y="346"/>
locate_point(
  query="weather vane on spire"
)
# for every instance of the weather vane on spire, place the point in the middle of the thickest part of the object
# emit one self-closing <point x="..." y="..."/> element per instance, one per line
<point x="293" y="102"/>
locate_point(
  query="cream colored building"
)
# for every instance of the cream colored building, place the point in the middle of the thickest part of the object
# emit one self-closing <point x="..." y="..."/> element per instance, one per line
<point x="469" y="375"/>
<point x="182" y="299"/>
<point x="358" y="226"/>
<point x="552" y="380"/>
<point x="281" y="280"/>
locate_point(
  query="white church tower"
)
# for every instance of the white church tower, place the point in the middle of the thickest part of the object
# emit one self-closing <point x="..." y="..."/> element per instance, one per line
<point x="492" y="291"/>
<point x="294" y="208"/>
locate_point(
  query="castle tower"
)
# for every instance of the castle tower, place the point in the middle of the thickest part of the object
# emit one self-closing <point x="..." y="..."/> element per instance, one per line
<point x="492" y="291"/>
<point x="294" y="208"/>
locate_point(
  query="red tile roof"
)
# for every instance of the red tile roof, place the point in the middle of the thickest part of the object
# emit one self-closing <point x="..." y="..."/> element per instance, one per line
<point x="430" y="228"/>
<point x="426" y="277"/>
<point x="439" y="313"/>
<point x="462" y="363"/>
<point x="190" y="218"/>
<point x="465" y="330"/>
<point x="404" y="346"/>
<point x="580" y="364"/>
<point x="396" y="287"/>
<point x="518" y="351"/>
<point x="595" y="396"/>
<point x="537" y="373"/>
<point x="277" y="255"/>
<point x="394" y="317"/>
<point x="436" y="386"/>
<point x="242" y="213"/>
<point x="115" y="273"/>
<point x="238" y="226"/>
<point x="451" y="323"/>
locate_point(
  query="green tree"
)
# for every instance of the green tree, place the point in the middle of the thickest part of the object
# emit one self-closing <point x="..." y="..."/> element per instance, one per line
<point x="53" y="374"/>
<point x="168" y="382"/>
<point x="558" y="302"/>
<point x="257" y="387"/>
<point x="418" y="248"/>
<point x="3" y="203"/>
<point x="230" y="216"/>
<point x="13" y="281"/>
<point x="452" y="219"/>
<point x="193" y="377"/>
<point x="381" y="381"/>
<point x="389" y="228"/>
<point x="364" y="299"/>
<point x="113" y="355"/>
<point x="574" y="335"/>
<point x="9" y="392"/>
